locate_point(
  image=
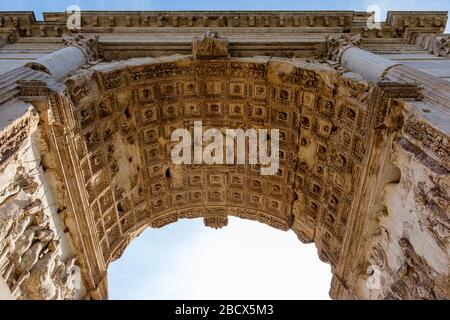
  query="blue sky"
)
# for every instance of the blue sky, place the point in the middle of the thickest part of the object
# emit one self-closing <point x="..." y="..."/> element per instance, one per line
<point x="245" y="260"/>
<point x="40" y="6"/>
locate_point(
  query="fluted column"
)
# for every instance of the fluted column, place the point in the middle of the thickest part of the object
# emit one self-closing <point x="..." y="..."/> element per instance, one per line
<point x="77" y="52"/>
<point x="435" y="90"/>
<point x="372" y="67"/>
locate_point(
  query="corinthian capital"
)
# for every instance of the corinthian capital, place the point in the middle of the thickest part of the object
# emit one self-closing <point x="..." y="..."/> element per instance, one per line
<point x="89" y="45"/>
<point x="336" y="45"/>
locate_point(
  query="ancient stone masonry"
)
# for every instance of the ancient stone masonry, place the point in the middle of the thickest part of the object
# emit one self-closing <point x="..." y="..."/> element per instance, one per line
<point x="34" y="261"/>
<point x="210" y="46"/>
<point x="85" y="132"/>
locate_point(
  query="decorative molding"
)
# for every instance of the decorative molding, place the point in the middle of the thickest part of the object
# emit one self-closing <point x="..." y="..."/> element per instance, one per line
<point x="429" y="139"/>
<point x="410" y="24"/>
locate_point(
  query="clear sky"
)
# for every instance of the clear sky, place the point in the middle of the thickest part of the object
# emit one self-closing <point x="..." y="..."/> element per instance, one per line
<point x="40" y="6"/>
<point x="245" y="260"/>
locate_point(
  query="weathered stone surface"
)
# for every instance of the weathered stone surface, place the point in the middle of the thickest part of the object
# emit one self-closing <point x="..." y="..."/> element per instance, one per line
<point x="35" y="253"/>
<point x="85" y="147"/>
<point x="210" y="46"/>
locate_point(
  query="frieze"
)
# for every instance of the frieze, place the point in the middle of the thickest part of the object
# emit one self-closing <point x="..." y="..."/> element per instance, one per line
<point x="429" y="139"/>
<point x="13" y="138"/>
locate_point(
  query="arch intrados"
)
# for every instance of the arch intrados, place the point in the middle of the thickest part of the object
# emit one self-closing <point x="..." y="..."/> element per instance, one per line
<point x="112" y="100"/>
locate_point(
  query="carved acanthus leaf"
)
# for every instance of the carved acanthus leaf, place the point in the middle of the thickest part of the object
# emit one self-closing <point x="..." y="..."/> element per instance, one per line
<point x="88" y="45"/>
<point x="336" y="45"/>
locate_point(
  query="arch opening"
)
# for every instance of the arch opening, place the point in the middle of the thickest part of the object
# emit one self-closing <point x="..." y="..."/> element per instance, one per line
<point x="187" y="261"/>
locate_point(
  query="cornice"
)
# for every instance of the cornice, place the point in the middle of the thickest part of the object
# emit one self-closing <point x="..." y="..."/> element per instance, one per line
<point x="54" y="23"/>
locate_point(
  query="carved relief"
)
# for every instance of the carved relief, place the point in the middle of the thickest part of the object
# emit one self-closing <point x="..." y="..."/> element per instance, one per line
<point x="30" y="253"/>
<point x="439" y="45"/>
<point x="437" y="219"/>
<point x="11" y="140"/>
<point x="415" y="279"/>
<point x="430" y="139"/>
<point x="210" y="46"/>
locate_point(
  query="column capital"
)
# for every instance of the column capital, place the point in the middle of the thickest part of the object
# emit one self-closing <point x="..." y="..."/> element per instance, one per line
<point x="336" y="45"/>
<point x="88" y="45"/>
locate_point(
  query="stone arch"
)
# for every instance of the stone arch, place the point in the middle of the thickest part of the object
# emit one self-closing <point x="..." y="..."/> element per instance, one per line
<point x="122" y="113"/>
<point x="364" y="170"/>
<point x="110" y="125"/>
<point x="364" y="165"/>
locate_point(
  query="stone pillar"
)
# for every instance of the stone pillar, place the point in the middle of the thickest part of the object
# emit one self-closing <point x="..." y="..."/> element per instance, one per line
<point x="406" y="222"/>
<point x="344" y="50"/>
<point x="370" y="66"/>
<point x="373" y="67"/>
<point x="61" y="62"/>
<point x="435" y="91"/>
